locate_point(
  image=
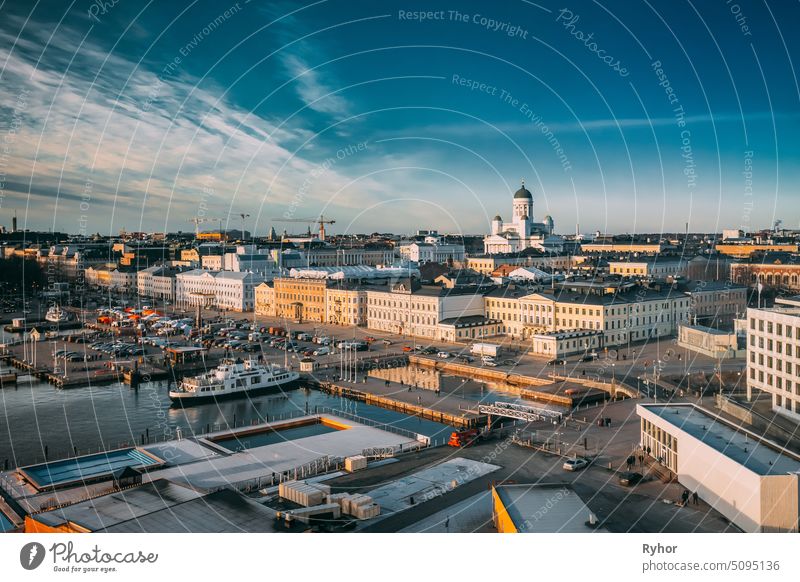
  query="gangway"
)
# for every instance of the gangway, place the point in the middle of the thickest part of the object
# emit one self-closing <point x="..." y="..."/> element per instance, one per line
<point x="519" y="411"/>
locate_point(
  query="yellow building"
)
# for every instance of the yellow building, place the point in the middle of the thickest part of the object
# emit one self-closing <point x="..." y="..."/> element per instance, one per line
<point x="487" y="264"/>
<point x="346" y="306"/>
<point x="265" y="299"/>
<point x="300" y="299"/>
<point x="633" y="315"/>
<point x="622" y="247"/>
<point x="742" y="251"/>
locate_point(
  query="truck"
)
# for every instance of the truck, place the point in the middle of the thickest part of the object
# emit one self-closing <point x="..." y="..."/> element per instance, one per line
<point x="485" y="350"/>
<point x="464" y="438"/>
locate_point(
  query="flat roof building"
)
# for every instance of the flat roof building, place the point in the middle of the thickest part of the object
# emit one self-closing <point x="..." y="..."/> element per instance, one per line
<point x="749" y="480"/>
<point x="540" y="508"/>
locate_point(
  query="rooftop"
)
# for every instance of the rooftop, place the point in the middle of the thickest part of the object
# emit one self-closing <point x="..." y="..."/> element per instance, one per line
<point x="746" y="448"/>
<point x="545" y="508"/>
<point x="162" y="506"/>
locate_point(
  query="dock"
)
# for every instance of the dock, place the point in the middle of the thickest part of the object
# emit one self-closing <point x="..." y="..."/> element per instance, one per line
<point x="556" y="390"/>
<point x="442" y="408"/>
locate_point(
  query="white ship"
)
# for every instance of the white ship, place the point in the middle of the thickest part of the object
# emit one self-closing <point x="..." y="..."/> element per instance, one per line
<point x="56" y="315"/>
<point x="233" y="378"/>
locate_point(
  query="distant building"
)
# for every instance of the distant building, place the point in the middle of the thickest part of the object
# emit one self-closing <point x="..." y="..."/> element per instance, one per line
<point x="655" y="269"/>
<point x="745" y="250"/>
<point x="487" y="264"/>
<point x="522" y="232"/>
<point x="773" y="271"/>
<point x="714" y="268"/>
<point x="432" y="252"/>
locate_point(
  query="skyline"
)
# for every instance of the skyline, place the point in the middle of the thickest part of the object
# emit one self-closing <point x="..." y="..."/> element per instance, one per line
<point x="121" y="117"/>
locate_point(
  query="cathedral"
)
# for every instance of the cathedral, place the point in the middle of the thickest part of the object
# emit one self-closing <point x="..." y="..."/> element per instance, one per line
<point x="521" y="233"/>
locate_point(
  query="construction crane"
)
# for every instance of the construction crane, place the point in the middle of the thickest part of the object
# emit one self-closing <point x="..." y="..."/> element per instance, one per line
<point x="321" y="221"/>
<point x="243" y="216"/>
<point x="198" y="221"/>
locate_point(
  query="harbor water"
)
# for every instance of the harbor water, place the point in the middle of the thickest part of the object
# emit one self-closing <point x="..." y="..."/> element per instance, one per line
<point x="38" y="421"/>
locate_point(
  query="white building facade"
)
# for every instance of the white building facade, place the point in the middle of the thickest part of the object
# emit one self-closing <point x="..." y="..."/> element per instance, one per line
<point x="432" y="252"/>
<point x="773" y="359"/>
<point x="417" y="312"/>
<point x="751" y="481"/>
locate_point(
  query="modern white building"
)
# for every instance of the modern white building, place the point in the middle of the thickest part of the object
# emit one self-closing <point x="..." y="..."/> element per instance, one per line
<point x="522" y="232"/>
<point x="773" y="357"/>
<point x="751" y="481"/>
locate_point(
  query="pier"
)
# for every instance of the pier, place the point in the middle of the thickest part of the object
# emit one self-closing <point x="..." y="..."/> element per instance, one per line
<point x="557" y="390"/>
<point x="431" y="405"/>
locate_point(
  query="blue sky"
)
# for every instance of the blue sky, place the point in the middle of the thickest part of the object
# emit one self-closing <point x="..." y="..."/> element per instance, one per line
<point x="142" y="115"/>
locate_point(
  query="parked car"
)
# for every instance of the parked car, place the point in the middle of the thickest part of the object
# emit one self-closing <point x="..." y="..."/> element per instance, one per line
<point x="323" y="351"/>
<point x="589" y="357"/>
<point x="575" y="464"/>
<point x="629" y="479"/>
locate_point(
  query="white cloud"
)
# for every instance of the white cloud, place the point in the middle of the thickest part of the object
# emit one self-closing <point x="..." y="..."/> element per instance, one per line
<point x="151" y="147"/>
<point x="312" y="89"/>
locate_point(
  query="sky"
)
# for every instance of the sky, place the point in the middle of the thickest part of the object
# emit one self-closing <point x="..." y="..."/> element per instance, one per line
<point x="620" y="117"/>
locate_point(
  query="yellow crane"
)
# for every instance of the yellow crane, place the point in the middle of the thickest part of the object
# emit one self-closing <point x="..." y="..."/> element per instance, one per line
<point x="320" y="221"/>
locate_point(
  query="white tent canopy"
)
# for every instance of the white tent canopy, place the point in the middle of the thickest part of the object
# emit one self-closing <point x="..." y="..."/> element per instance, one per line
<point x="354" y="272"/>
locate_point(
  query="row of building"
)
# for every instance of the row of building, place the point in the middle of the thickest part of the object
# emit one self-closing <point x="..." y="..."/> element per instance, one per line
<point x="610" y="312"/>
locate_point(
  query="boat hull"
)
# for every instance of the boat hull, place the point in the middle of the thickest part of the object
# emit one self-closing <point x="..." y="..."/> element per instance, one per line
<point x="188" y="398"/>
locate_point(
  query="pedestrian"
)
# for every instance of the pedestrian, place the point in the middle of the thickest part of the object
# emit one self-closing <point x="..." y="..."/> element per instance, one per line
<point x="685" y="496"/>
<point x="447" y="523"/>
<point x="695" y="498"/>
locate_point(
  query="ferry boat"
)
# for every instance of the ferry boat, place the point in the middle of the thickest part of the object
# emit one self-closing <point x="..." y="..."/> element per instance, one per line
<point x="233" y="378"/>
<point x="56" y="315"/>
